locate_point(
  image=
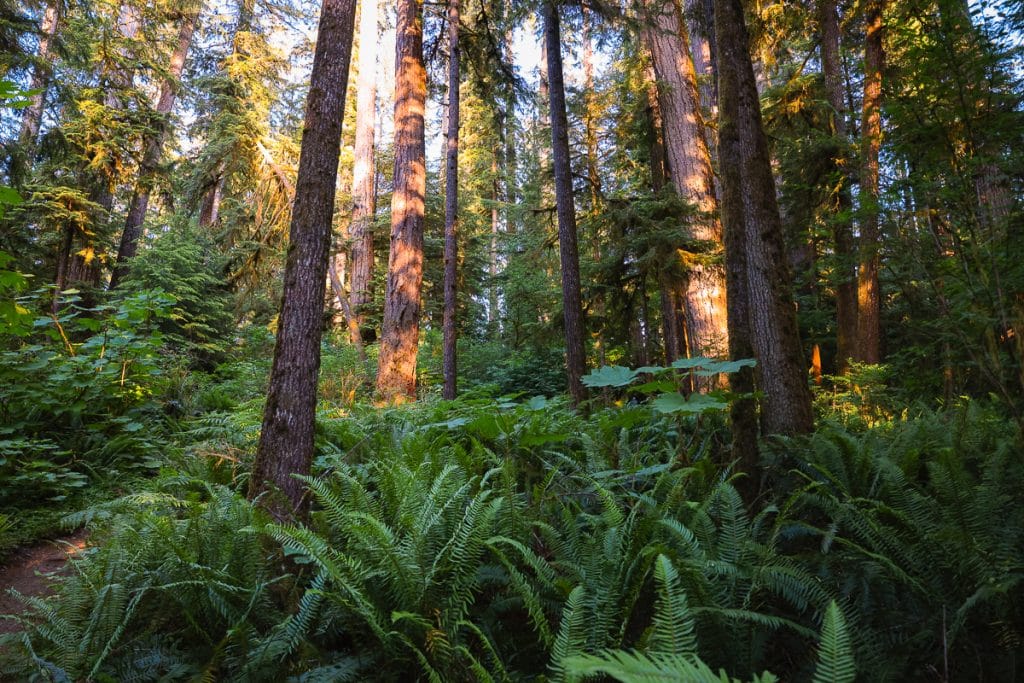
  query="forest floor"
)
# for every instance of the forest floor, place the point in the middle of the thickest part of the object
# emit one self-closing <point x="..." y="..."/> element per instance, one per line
<point x="30" y="571"/>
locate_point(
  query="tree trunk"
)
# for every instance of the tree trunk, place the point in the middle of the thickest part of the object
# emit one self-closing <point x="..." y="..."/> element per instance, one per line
<point x="346" y="310"/>
<point x="868" y="294"/>
<point x="396" y="376"/>
<point x="572" y="305"/>
<point x="289" y="418"/>
<point x="32" y="116"/>
<point x="451" y="207"/>
<point x="493" y="317"/>
<point x="842" y="230"/>
<point x="689" y="165"/>
<point x="702" y="47"/>
<point x="751" y="214"/>
<point x="364" y="195"/>
<point x="154" y="148"/>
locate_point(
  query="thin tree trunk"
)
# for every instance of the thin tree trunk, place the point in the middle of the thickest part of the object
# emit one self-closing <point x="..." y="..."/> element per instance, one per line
<point x="689" y="165"/>
<point x="154" y="148"/>
<point x="702" y="48"/>
<point x="364" y="196"/>
<point x="572" y="305"/>
<point x="346" y="310"/>
<point x="32" y="116"/>
<point x="493" y="319"/>
<point x="845" y="281"/>
<point x="289" y="418"/>
<point x="868" y="294"/>
<point x="209" y="209"/>
<point x="451" y="208"/>
<point x="751" y="214"/>
<point x="396" y="376"/>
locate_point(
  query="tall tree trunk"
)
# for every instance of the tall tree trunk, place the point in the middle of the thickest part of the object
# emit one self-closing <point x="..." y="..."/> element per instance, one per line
<point x="842" y="230"/>
<point x="364" y="195"/>
<point x="702" y="47"/>
<point x="689" y="165"/>
<point x="512" y="225"/>
<point x="289" y="418"/>
<point x="869" y="331"/>
<point x="153" y="144"/>
<point x="32" y="115"/>
<point x="751" y="214"/>
<point x="451" y="207"/>
<point x="396" y="376"/>
<point x="572" y="305"/>
<point x="493" y="317"/>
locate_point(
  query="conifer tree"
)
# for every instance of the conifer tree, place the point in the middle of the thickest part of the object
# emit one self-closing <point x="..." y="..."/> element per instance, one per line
<point x="396" y="374"/>
<point x="767" y="316"/>
<point x="572" y="307"/>
<point x="286" y="439"/>
<point x="451" y="207"/>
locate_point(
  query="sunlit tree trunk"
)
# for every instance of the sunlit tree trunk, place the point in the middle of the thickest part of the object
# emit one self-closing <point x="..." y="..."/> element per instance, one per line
<point x="868" y="294"/>
<point x="153" y="144"/>
<point x="396" y="376"/>
<point x="845" y="280"/>
<point x="754" y="234"/>
<point x="451" y="207"/>
<point x="289" y="418"/>
<point x="364" y="195"/>
<point x="572" y="306"/>
<point x="689" y="167"/>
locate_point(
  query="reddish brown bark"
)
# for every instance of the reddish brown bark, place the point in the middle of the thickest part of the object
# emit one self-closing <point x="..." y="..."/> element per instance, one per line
<point x="572" y="306"/>
<point x="153" y="144"/>
<point x="364" y="195"/>
<point x="289" y="418"/>
<point x="869" y="331"/>
<point x="396" y="375"/>
<point x="842" y="230"/>
<point x="689" y="166"/>
<point x="451" y="207"/>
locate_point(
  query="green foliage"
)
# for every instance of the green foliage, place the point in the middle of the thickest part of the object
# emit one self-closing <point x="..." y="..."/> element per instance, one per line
<point x="77" y="396"/>
<point x="178" y="589"/>
<point x="184" y="264"/>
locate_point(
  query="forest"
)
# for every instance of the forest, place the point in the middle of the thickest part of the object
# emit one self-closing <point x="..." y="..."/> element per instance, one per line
<point x="512" y="340"/>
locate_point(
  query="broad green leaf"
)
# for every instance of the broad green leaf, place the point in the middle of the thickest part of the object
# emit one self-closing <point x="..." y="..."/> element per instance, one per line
<point x="610" y="376"/>
<point x="677" y="403"/>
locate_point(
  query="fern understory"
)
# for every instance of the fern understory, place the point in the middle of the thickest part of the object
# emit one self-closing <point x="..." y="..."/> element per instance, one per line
<point x="515" y="540"/>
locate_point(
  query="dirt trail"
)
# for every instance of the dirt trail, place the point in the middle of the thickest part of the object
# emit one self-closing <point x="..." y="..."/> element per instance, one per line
<point x="29" y="571"/>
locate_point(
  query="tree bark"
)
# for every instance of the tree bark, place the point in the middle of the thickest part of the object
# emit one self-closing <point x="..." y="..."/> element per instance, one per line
<point x="451" y="208"/>
<point x="364" y="195"/>
<point x="572" y="305"/>
<point x="751" y="214"/>
<point x="868" y="294"/>
<point x="689" y="166"/>
<point x="154" y="148"/>
<point x="842" y="230"/>
<point x="396" y="376"/>
<point x="32" y="116"/>
<point x="289" y="418"/>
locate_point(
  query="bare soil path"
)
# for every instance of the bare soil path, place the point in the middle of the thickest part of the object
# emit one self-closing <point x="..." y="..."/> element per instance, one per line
<point x="30" y="571"/>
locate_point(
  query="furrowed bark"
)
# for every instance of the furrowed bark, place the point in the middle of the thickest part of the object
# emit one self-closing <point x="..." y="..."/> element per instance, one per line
<point x="572" y="306"/>
<point x="289" y="418"/>
<point x="869" y="330"/>
<point x="364" y="195"/>
<point x="751" y="210"/>
<point x="451" y="208"/>
<point x="396" y="375"/>
<point x="690" y="170"/>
